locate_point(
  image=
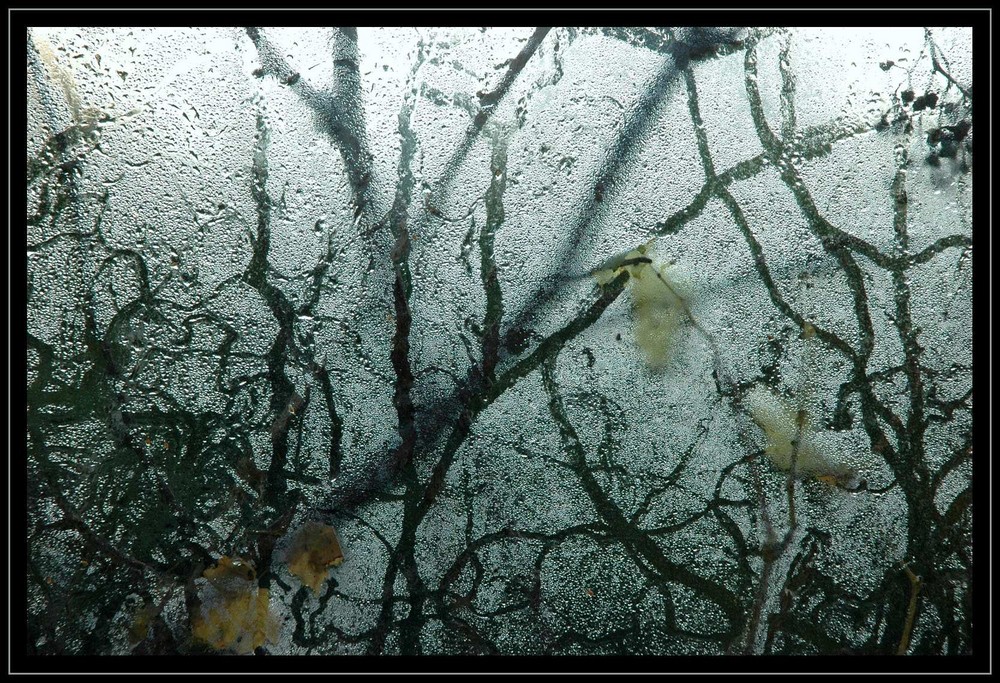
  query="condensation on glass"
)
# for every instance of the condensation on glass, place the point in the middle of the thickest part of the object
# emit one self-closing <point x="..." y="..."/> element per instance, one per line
<point x="522" y="341"/>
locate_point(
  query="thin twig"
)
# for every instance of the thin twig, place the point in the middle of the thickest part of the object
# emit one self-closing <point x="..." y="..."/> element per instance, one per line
<point x="911" y="612"/>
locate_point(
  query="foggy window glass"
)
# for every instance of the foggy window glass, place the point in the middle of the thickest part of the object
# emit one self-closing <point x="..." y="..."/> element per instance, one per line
<point x="499" y="341"/>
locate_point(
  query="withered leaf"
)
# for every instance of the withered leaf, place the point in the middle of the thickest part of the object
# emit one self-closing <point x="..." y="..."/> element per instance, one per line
<point x="314" y="550"/>
<point x="235" y="613"/>
<point x="139" y="628"/>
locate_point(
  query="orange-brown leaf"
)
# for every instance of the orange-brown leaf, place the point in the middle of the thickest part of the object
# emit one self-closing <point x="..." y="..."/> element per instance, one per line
<point x="234" y="614"/>
<point x="314" y="550"/>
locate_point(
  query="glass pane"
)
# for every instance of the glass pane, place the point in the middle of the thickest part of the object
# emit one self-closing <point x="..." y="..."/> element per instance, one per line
<point x="499" y="340"/>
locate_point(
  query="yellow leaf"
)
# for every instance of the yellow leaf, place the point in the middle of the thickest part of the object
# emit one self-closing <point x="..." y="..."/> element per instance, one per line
<point x="787" y="434"/>
<point x="234" y="614"/>
<point x="658" y="310"/>
<point x="658" y="313"/>
<point x="314" y="550"/>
